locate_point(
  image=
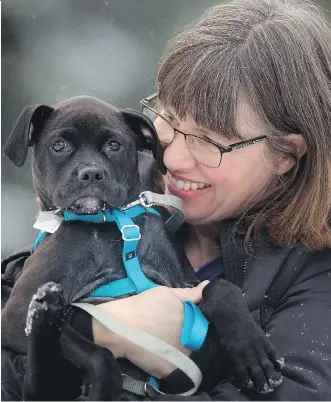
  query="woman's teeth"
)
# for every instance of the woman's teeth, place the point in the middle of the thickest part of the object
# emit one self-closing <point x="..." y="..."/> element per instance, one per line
<point x="186" y="185"/>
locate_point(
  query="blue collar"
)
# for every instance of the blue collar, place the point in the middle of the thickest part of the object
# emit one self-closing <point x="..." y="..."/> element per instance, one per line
<point x="107" y="216"/>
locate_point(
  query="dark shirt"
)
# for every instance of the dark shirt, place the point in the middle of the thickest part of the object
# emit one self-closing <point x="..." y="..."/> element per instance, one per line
<point x="210" y="270"/>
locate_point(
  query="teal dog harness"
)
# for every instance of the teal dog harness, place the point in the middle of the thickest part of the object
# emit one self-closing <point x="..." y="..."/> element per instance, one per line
<point x="195" y="325"/>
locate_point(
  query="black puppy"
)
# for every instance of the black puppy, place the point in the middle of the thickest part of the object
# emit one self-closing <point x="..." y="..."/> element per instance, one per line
<point x="84" y="157"/>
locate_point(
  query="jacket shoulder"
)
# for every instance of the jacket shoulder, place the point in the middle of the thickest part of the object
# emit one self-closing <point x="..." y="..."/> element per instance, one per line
<point x="317" y="264"/>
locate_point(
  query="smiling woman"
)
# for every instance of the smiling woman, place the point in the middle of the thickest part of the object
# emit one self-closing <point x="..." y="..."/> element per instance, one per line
<point x="243" y="112"/>
<point x="230" y="90"/>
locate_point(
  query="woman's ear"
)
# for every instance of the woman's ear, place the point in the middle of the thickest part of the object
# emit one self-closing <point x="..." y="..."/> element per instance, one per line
<point x="298" y="143"/>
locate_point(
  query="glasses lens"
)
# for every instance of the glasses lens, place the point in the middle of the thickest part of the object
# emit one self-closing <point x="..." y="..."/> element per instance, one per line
<point x="149" y="113"/>
<point x="204" y="152"/>
<point x="150" y="107"/>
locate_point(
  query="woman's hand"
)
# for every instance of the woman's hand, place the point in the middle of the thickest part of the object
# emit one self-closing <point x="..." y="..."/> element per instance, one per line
<point x="158" y="311"/>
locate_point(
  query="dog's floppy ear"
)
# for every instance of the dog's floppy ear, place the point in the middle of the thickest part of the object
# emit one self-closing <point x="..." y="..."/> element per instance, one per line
<point x="29" y="123"/>
<point x="146" y="132"/>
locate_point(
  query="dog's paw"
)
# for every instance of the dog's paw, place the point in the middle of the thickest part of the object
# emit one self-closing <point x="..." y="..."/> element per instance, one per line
<point x="258" y="365"/>
<point x="45" y="307"/>
<point x="254" y="359"/>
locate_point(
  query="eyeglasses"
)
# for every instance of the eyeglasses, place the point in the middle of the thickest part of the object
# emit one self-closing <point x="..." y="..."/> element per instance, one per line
<point x="205" y="151"/>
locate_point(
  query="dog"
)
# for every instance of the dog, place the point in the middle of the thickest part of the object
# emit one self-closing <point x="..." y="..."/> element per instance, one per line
<point x="85" y="157"/>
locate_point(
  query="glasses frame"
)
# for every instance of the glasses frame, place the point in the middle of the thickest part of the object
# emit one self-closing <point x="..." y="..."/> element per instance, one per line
<point x="232" y="147"/>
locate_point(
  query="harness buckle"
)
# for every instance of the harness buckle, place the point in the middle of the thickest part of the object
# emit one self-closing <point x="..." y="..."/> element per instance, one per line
<point x="137" y="233"/>
<point x="151" y="388"/>
<point x="104" y="216"/>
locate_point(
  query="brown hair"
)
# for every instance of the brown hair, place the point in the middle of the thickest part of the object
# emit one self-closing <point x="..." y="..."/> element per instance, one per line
<point x="278" y="54"/>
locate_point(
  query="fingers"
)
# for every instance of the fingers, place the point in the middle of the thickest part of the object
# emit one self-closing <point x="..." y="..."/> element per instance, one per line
<point x="190" y="294"/>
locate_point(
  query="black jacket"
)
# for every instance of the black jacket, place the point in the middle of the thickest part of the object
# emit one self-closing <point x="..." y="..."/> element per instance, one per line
<point x="287" y="291"/>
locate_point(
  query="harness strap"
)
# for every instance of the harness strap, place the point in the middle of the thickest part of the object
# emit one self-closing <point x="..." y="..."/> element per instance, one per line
<point x="131" y="236"/>
<point x="39" y="239"/>
<point x="117" y="288"/>
<point x="148" y="342"/>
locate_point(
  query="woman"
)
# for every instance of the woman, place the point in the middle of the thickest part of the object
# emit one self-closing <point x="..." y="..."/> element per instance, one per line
<point x="260" y="72"/>
<point x="244" y="114"/>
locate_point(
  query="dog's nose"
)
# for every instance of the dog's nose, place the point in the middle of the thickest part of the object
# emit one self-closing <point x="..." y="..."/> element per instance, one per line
<point x="91" y="174"/>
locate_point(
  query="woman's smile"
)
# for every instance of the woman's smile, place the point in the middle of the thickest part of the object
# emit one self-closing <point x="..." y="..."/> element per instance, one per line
<point x="184" y="188"/>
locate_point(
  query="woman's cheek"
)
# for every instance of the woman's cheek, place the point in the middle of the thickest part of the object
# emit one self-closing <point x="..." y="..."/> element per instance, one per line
<point x="224" y="176"/>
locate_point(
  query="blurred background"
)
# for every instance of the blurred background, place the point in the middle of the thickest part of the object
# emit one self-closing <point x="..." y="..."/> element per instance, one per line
<point x="55" y="49"/>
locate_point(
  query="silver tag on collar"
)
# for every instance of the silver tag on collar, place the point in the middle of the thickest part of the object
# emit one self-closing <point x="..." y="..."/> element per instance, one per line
<point x="47" y="221"/>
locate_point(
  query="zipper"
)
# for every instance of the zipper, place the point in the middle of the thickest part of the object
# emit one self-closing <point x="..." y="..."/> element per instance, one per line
<point x="246" y="263"/>
<point x="244" y="271"/>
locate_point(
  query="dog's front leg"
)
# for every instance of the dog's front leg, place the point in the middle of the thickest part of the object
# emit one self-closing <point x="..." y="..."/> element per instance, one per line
<point x="102" y="379"/>
<point x="252" y="355"/>
<point x="48" y="375"/>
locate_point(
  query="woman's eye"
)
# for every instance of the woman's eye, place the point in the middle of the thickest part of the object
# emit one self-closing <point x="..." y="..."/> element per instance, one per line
<point x="59" y="146"/>
<point x="113" y="145"/>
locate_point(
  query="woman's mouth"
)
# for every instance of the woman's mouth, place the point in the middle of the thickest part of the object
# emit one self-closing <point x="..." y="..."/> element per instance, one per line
<point x="187" y="185"/>
<point x="186" y="189"/>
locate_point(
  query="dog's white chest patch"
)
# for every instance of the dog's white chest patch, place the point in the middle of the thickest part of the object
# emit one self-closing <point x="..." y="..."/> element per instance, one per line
<point x="47" y="221"/>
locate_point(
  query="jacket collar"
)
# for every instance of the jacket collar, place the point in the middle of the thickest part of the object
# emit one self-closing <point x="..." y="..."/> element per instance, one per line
<point x="234" y="257"/>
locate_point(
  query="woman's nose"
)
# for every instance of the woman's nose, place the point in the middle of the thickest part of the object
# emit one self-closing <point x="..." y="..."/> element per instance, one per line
<point x="177" y="156"/>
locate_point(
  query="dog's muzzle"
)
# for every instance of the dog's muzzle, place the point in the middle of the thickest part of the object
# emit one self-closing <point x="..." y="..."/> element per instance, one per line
<point x="87" y="205"/>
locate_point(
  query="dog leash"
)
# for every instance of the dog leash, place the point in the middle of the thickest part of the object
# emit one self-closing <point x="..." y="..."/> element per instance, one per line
<point x="150" y="343"/>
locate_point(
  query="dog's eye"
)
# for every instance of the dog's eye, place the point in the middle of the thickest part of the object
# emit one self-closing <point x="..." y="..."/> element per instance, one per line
<point x="59" y="146"/>
<point x="113" y="145"/>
